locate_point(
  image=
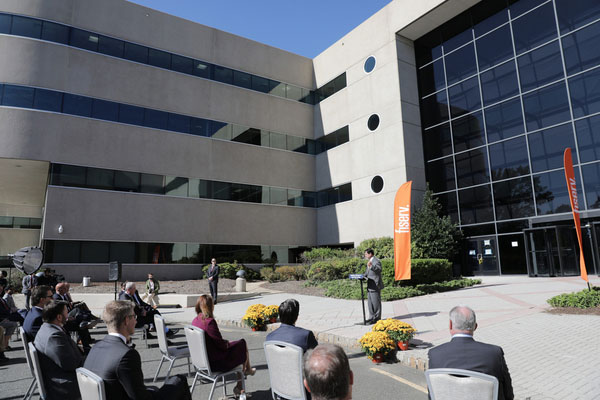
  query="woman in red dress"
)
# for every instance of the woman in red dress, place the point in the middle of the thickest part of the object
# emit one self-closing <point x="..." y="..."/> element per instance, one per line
<point x="223" y="355"/>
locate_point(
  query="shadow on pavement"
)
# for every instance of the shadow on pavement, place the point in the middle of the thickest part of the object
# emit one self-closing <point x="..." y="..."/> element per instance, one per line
<point x="416" y="315"/>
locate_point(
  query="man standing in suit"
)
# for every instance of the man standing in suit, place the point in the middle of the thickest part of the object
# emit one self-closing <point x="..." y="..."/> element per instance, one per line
<point x="40" y="296"/>
<point x="374" y="285"/>
<point x="213" y="279"/>
<point x="29" y="282"/>
<point x="59" y="355"/>
<point x="120" y="366"/>
<point x="288" y="332"/>
<point x="465" y="353"/>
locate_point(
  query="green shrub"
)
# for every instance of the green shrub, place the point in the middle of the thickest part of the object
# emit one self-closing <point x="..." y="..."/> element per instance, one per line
<point x="399" y="292"/>
<point x="16" y="279"/>
<point x="422" y="271"/>
<point x="291" y="273"/>
<point x="323" y="254"/>
<point x="343" y="289"/>
<point x="268" y="273"/>
<point x="583" y="299"/>
<point x="321" y="271"/>
<point x="229" y="271"/>
<point x="383" y="247"/>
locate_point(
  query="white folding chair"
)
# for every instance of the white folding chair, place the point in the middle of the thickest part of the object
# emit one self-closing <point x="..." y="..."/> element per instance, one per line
<point x="25" y="342"/>
<point x="284" y="361"/>
<point x="91" y="386"/>
<point x="168" y="353"/>
<point x="37" y="371"/>
<point x="197" y="344"/>
<point x="453" y="383"/>
<point x="143" y="331"/>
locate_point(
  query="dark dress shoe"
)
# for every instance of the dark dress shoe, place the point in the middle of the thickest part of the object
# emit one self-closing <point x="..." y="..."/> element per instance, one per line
<point x="150" y="336"/>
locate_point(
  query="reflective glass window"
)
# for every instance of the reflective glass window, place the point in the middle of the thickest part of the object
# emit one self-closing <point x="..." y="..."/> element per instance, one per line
<point x="449" y="205"/>
<point x="294" y="197"/>
<point x="124" y="252"/>
<point x="456" y="33"/>
<point x="203" y="69"/>
<point x="260" y="84"/>
<point x="588" y="138"/>
<point x="131" y="114"/>
<point x="345" y="192"/>
<point x="243" y="134"/>
<point x="159" y="58"/>
<point x="464" y="97"/>
<point x="509" y="159"/>
<point x="106" y="110"/>
<point x="431" y="78"/>
<point x="468" y="131"/>
<point x="277" y="141"/>
<point x="440" y="174"/>
<point x="434" y="109"/>
<point x="504" y="120"/>
<point x="100" y="178"/>
<point x="242" y="79"/>
<point x="540" y="66"/>
<point x="513" y="198"/>
<point x="521" y="7"/>
<point x="295" y="143"/>
<point x="17" y="96"/>
<point x="585" y="93"/>
<point x="29" y="27"/>
<point x="547" y="147"/>
<point x="55" y="32"/>
<point x="246" y="193"/>
<point x="472" y="167"/>
<point x="460" y="64"/>
<point x="547" y="106"/>
<point x="135" y="52"/>
<point x="179" y="123"/>
<point x="83" y="39"/>
<point x="156" y="119"/>
<point x="277" y="88"/>
<point x="47" y="100"/>
<point x="437" y="142"/>
<point x="309" y="199"/>
<point x="573" y="14"/>
<point x="428" y="47"/>
<point x="278" y="196"/>
<point x="127" y="181"/>
<point x="478" y="230"/>
<point x="176" y="186"/>
<point x="494" y="47"/>
<point x="591" y="180"/>
<point x="489" y="15"/>
<point x="581" y="49"/>
<point x="151" y="183"/>
<point x="68" y="175"/>
<point x="64" y="251"/>
<point x="369" y="64"/>
<point x="512" y="226"/>
<point x="293" y="92"/>
<point x="223" y="74"/>
<point x="199" y="126"/>
<point x="535" y="28"/>
<point x="182" y="64"/>
<point x="94" y="252"/>
<point x="307" y="96"/>
<point x="499" y="83"/>
<point x="551" y="194"/>
<point x="5" y="22"/>
<point x="77" y="105"/>
<point x="200" y="188"/>
<point x="110" y="46"/>
<point x="220" y="130"/>
<point x="476" y="205"/>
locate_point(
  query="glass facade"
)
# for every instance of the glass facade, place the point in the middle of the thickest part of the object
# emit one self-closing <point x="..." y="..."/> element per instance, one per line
<point x="20" y="222"/>
<point x="504" y="88"/>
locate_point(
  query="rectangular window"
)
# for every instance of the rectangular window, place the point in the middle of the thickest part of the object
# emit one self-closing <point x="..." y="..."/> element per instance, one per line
<point x="95" y="252"/>
<point x="464" y="97"/>
<point x="200" y="188"/>
<point x="110" y="46"/>
<point x="156" y="119"/>
<point x="123" y="252"/>
<point x="504" y="120"/>
<point x="294" y="197"/>
<point x="223" y="74"/>
<point x="494" y="47"/>
<point x="47" y="100"/>
<point x="277" y="88"/>
<point x="279" y="196"/>
<point x="242" y="79"/>
<point x="131" y="114"/>
<point x="199" y="126"/>
<point x="28" y="27"/>
<point x="309" y="199"/>
<point x="547" y="147"/>
<point x="127" y="181"/>
<point x="509" y="159"/>
<point x="437" y="142"/>
<point x="151" y="183"/>
<point x="591" y="180"/>
<point x="535" y="28"/>
<point x="460" y="64"/>
<point x="244" y="134"/>
<point x="468" y="132"/>
<point x="105" y="110"/>
<point x="551" y="194"/>
<point x="580" y="49"/>
<point x="5" y="22"/>
<point x="64" y="251"/>
<point x="295" y="143"/>
<point x="176" y="186"/>
<point x="434" y="109"/>
<point x="499" y="83"/>
<point x="513" y="198"/>
<point x="179" y="123"/>
<point x="585" y="93"/>
<point x="472" y="168"/>
<point x="574" y="14"/>
<point x="135" y="52"/>
<point x="17" y="96"/>
<point x="202" y="69"/>
<point x="182" y="64"/>
<point x="6" y="222"/>
<point x="83" y="39"/>
<point x="77" y="105"/>
<point x="277" y="141"/>
<point x="56" y="33"/>
<point x="547" y="106"/>
<point x="294" y="92"/>
<point x="449" y="205"/>
<point x="159" y="58"/>
<point x="220" y="130"/>
<point x="440" y="174"/>
<point x="221" y="190"/>
<point x="541" y="66"/>
<point x="100" y="178"/>
<point x="431" y="78"/>
<point x="476" y="205"/>
<point x="68" y="175"/>
<point x="260" y="84"/>
<point x="588" y="137"/>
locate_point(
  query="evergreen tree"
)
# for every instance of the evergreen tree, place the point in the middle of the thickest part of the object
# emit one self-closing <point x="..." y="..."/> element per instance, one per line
<point x="433" y="236"/>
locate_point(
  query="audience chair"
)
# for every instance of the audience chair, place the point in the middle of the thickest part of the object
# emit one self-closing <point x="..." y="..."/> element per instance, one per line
<point x="197" y="344"/>
<point x="37" y="371"/>
<point x="284" y="361"/>
<point x="91" y="386"/>
<point x="452" y="383"/>
<point x="25" y="342"/>
<point x="143" y="331"/>
<point x="168" y="353"/>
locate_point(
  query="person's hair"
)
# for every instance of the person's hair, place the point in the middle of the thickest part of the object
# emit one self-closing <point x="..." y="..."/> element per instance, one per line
<point x="60" y="286"/>
<point x="115" y="313"/>
<point x="463" y="318"/>
<point x="205" y="306"/>
<point x="52" y="310"/>
<point x="288" y="311"/>
<point x="3" y="272"/>
<point x="370" y="251"/>
<point x="123" y="285"/>
<point x="327" y="372"/>
<point x="38" y="293"/>
<point x="129" y="285"/>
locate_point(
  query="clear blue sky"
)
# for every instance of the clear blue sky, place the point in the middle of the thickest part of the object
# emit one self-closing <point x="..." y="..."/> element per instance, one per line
<point x="305" y="27"/>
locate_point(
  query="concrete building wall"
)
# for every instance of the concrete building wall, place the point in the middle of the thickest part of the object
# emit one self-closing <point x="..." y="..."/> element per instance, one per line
<point x="12" y="240"/>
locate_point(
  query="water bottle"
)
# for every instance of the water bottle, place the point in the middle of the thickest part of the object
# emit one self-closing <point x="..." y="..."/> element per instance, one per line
<point x="242" y="396"/>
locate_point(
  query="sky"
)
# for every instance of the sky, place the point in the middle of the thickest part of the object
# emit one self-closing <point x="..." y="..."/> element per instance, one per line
<point x="304" y="27"/>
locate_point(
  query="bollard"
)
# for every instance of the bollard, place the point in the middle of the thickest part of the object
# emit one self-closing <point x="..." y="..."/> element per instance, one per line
<point x="240" y="285"/>
<point x="86" y="281"/>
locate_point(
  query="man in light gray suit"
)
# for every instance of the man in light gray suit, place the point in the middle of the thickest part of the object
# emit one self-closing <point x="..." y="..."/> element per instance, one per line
<point x="59" y="355"/>
<point x="374" y="286"/>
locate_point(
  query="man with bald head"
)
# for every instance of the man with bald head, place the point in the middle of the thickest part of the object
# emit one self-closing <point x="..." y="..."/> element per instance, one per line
<point x="465" y="353"/>
<point x="327" y="373"/>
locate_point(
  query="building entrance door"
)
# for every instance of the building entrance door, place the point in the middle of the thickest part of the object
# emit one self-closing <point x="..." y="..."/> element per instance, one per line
<point x="481" y="256"/>
<point x="552" y="251"/>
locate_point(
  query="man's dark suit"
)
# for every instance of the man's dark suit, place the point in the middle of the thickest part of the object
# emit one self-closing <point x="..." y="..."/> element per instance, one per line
<point x="213" y="272"/>
<point x="292" y="334"/>
<point x="120" y="366"/>
<point x="374" y="286"/>
<point x="466" y="353"/>
<point x="140" y="306"/>
<point x="33" y="322"/>
<point x="59" y="357"/>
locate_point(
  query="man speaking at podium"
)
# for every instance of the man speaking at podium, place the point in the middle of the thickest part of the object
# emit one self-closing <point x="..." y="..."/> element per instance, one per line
<point x="374" y="285"/>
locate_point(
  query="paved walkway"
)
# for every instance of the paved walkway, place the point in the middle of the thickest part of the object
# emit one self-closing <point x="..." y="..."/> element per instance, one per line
<point x="549" y="356"/>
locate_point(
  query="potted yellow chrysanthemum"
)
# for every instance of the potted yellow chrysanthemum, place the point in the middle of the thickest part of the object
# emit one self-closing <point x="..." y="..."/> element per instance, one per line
<point x="400" y="332"/>
<point x="271" y="313"/>
<point x="377" y="345"/>
<point x="254" y="317"/>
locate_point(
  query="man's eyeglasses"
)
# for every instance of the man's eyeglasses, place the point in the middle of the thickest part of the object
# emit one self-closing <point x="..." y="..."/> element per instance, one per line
<point x="133" y="316"/>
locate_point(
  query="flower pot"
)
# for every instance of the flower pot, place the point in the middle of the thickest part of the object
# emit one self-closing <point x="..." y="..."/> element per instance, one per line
<point x="254" y="328"/>
<point x="377" y="358"/>
<point x="403" y="345"/>
<point x="273" y="320"/>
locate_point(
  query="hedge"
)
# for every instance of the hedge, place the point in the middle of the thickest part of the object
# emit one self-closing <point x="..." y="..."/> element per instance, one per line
<point x="322" y="271"/>
<point x="324" y="253"/>
<point x="284" y="273"/>
<point x="583" y="299"/>
<point x="229" y="271"/>
<point x="428" y="270"/>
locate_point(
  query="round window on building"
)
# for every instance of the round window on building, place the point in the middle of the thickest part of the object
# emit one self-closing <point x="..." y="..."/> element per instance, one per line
<point x="377" y="184"/>
<point x="373" y="122"/>
<point x="370" y="64"/>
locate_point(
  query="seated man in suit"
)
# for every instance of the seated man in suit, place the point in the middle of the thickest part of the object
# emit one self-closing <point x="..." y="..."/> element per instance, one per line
<point x="78" y="310"/>
<point x="327" y="373"/>
<point x="9" y="319"/>
<point x="59" y="355"/>
<point x="465" y="353"/>
<point x="145" y="312"/>
<point x="288" y="332"/>
<point x="40" y="296"/>
<point x="120" y="365"/>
